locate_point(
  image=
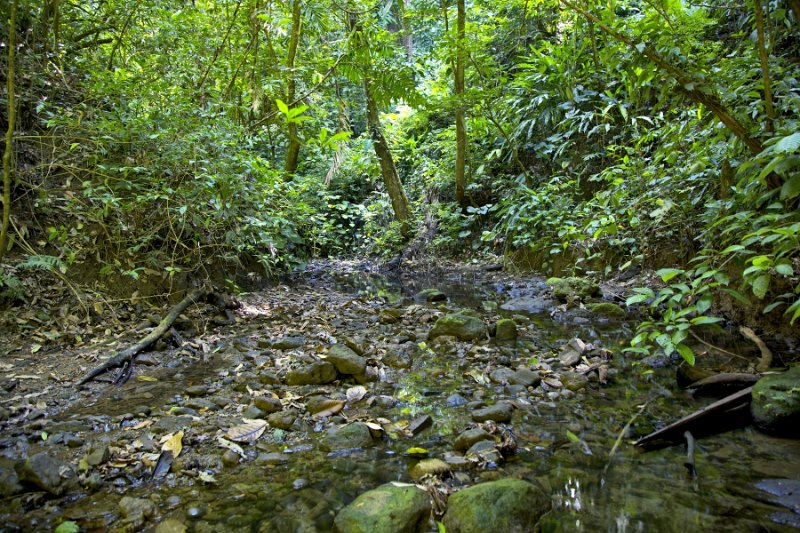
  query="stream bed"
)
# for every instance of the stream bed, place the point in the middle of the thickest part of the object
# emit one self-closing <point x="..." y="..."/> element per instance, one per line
<point x="417" y="396"/>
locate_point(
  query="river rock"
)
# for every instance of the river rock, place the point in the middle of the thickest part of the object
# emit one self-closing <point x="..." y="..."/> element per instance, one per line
<point x="355" y="435"/>
<point x="469" y="437"/>
<point x="455" y="400"/>
<point x="98" y="455"/>
<point x="420" y="424"/>
<point x="387" y="509"/>
<point x="282" y="419"/>
<point x="289" y="343"/>
<point x="572" y="352"/>
<point x="504" y="506"/>
<point x="429" y="467"/>
<point x="346" y="360"/>
<point x="574" y="381"/>
<point x="485" y="451"/>
<point x="525" y="377"/>
<point x="48" y="473"/>
<point x="529" y="304"/>
<point x="430" y="296"/>
<point x="9" y="481"/>
<point x="195" y="390"/>
<point x="317" y="373"/>
<point x="506" y="330"/>
<point x="268" y="404"/>
<point x="607" y="309"/>
<point x="137" y="510"/>
<point x="463" y="326"/>
<point x="570" y="289"/>
<point x="499" y="412"/>
<point x="171" y="525"/>
<point x="776" y="403"/>
<point x="501" y="375"/>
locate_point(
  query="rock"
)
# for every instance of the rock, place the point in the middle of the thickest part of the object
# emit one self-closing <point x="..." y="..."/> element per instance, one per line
<point x="98" y="455"/>
<point x="499" y="412"/>
<point x="273" y="458"/>
<point x="400" y="356"/>
<point x="355" y="435"/>
<point x="463" y="326"/>
<point x="289" y="343"/>
<point x="253" y="412"/>
<point x="572" y="352"/>
<point x="172" y="423"/>
<point x="608" y="309"/>
<point x="230" y="458"/>
<point x="387" y="509"/>
<point x="454" y="400"/>
<point x="485" y="451"/>
<point x="48" y="473"/>
<point x="390" y="316"/>
<point x="529" y="304"/>
<point x="137" y="509"/>
<point x="570" y="289"/>
<point x="429" y="467"/>
<point x="504" y="506"/>
<point x="196" y="390"/>
<point x="268" y="378"/>
<point x="506" y="330"/>
<point x="282" y="419"/>
<point x="317" y="373"/>
<point x="501" y="375"/>
<point x="171" y="525"/>
<point x="9" y="481"/>
<point x="420" y="424"/>
<point x="469" y="437"/>
<point x="346" y="360"/>
<point x="574" y="381"/>
<point x="267" y="404"/>
<point x="525" y="377"/>
<point x="776" y="403"/>
<point x="202" y="403"/>
<point x="430" y="296"/>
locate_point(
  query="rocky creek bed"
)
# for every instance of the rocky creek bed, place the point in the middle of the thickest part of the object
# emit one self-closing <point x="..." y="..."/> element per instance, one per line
<point x="352" y="402"/>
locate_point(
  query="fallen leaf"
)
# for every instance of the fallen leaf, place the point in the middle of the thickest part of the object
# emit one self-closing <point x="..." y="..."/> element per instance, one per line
<point x="146" y="378"/>
<point x="248" y="431"/>
<point x="207" y="477"/>
<point x="173" y="443"/>
<point x="140" y="425"/>
<point x="35" y="348"/>
<point x="356" y="393"/>
<point x="327" y="408"/>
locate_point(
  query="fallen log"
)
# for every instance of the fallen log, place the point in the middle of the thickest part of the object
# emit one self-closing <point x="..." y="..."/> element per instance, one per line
<point x="129" y="354"/>
<point x="720" y="382"/>
<point x="766" y="355"/>
<point x="674" y="430"/>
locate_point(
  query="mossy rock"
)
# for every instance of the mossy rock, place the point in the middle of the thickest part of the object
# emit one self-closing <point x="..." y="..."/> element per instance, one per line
<point x="608" y="309"/>
<point x="567" y="289"/>
<point x="776" y="403"/>
<point x="504" y="506"/>
<point x="387" y="509"/>
<point x="462" y="325"/>
<point x="506" y="330"/>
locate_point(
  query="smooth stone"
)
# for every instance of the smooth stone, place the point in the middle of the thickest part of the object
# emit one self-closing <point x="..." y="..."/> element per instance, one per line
<point x="171" y="525"/>
<point x="499" y="412"/>
<point x="386" y="509"/>
<point x="98" y="455"/>
<point x="273" y="458"/>
<point x="571" y="352"/>
<point x="138" y="508"/>
<point x="48" y="473"/>
<point x="355" y="435"/>
<point x="469" y="437"/>
<point x="9" y="481"/>
<point x="525" y="377"/>
<point x="462" y="325"/>
<point x="430" y="296"/>
<point x="253" y="412"/>
<point x="570" y="289"/>
<point x="268" y="404"/>
<point x="317" y="373"/>
<point x="202" y="403"/>
<point x="485" y="451"/>
<point x="501" y="375"/>
<point x="429" y="467"/>
<point x="346" y="360"/>
<point x="282" y="419"/>
<point x="171" y="423"/>
<point x="420" y="424"/>
<point x="775" y="404"/>
<point x="574" y="381"/>
<point x="455" y="400"/>
<point x="268" y="378"/>
<point x="196" y="390"/>
<point x="503" y="506"/>
<point x="230" y="458"/>
<point x="529" y="304"/>
<point x="289" y="343"/>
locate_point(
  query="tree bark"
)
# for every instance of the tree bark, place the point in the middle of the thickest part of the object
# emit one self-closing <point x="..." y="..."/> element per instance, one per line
<point x="293" y="152"/>
<point x="11" y="106"/>
<point x="394" y="187"/>
<point x="769" y="126"/>
<point x="461" y="127"/>
<point x="408" y="39"/>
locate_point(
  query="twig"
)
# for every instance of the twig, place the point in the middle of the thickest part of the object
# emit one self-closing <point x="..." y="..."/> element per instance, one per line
<point x="766" y="355"/>
<point x="622" y="434"/>
<point x="713" y="347"/>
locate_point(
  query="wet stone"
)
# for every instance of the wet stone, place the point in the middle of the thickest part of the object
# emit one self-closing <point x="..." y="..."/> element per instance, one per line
<point x="282" y="419"/>
<point x="420" y="424"/>
<point x="253" y="412"/>
<point x="355" y="435"/>
<point x="9" y="481"/>
<point x="272" y="458"/>
<point x="501" y="375"/>
<point x="462" y="326"/>
<point x="469" y="437"/>
<point x="429" y="467"/>
<point x="499" y="412"/>
<point x="196" y="390"/>
<point x="137" y="508"/>
<point x="455" y="400"/>
<point x="289" y="343"/>
<point x="267" y="404"/>
<point x="346" y="360"/>
<point x="430" y="296"/>
<point x="171" y="525"/>
<point x="199" y="404"/>
<point x="386" y="509"/>
<point x="48" y="473"/>
<point x="505" y="330"/>
<point x="525" y="377"/>
<point x="98" y="455"/>
<point x="574" y="381"/>
<point x="485" y="451"/>
<point x="317" y="373"/>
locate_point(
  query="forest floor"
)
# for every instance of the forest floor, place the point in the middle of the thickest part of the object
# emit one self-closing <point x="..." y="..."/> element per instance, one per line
<point x="319" y="374"/>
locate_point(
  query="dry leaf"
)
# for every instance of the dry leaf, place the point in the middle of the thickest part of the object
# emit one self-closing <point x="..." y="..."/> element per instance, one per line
<point x="248" y="431"/>
<point x="356" y="393"/>
<point x="146" y="378"/>
<point x="232" y="446"/>
<point x="173" y="443"/>
<point x="328" y="408"/>
<point x="140" y="425"/>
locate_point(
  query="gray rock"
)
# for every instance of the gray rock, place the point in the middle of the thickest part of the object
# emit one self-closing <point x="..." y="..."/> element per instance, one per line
<point x="289" y="343"/>
<point x="525" y="377"/>
<point x="462" y="325"/>
<point x="506" y="330"/>
<point x="202" y="403"/>
<point x="499" y="412"/>
<point x="355" y="435"/>
<point x="571" y="352"/>
<point x="48" y="473"/>
<point x="98" y="455"/>
<point x="273" y="458"/>
<point x="268" y="404"/>
<point x="776" y="403"/>
<point x="170" y="423"/>
<point x="570" y="289"/>
<point x="9" y="481"/>
<point x="268" y="378"/>
<point x="171" y="525"/>
<point x="137" y="508"/>
<point x="485" y="451"/>
<point x="501" y="375"/>
<point x="346" y="360"/>
<point x="387" y="509"/>
<point x="282" y="419"/>
<point x="317" y="373"/>
<point x="196" y="390"/>
<point x="253" y="412"/>
<point x="504" y="506"/>
<point x="420" y="424"/>
<point x="574" y="381"/>
<point x="430" y="296"/>
<point x="529" y="304"/>
<point x="469" y="437"/>
<point x="398" y="357"/>
<point x="454" y="400"/>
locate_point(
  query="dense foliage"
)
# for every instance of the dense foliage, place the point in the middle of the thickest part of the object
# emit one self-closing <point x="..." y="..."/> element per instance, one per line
<point x="154" y="138"/>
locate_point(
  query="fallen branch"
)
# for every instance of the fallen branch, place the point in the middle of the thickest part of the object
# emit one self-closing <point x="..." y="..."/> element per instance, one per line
<point x="729" y="379"/>
<point x="689" y="464"/>
<point x="671" y="431"/>
<point x="622" y="433"/>
<point x="128" y="354"/>
<point x="766" y="355"/>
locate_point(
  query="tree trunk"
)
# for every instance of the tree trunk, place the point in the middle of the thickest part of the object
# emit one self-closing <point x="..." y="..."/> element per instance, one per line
<point x="390" y="178"/>
<point x="408" y="39"/>
<point x="11" y="106"/>
<point x="293" y="152"/>
<point x="764" y="60"/>
<point x="461" y="127"/>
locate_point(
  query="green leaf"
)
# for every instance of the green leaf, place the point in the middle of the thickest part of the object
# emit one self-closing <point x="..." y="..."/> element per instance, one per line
<point x="635" y="299"/>
<point x="738" y="296"/>
<point x="282" y="107"/>
<point x="573" y="437"/>
<point x="702" y="320"/>
<point x="703" y="304"/>
<point x="733" y="248"/>
<point x="68" y="526"/>
<point x="668" y="273"/>
<point x="791" y="188"/>
<point x="771" y="307"/>
<point x="686" y="352"/>
<point x="788" y="144"/>
<point x="761" y="286"/>
<point x="784" y="268"/>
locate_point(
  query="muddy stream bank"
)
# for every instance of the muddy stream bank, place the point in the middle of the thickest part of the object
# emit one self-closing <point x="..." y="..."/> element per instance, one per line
<point x="334" y="385"/>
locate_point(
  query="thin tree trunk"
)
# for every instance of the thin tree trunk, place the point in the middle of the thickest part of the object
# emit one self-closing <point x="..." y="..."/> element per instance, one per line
<point x="293" y="152"/>
<point x="408" y="39"/>
<point x="122" y="34"/>
<point x="390" y="178"/>
<point x="764" y="60"/>
<point x="461" y="127"/>
<point x="219" y="48"/>
<point x="11" y="106"/>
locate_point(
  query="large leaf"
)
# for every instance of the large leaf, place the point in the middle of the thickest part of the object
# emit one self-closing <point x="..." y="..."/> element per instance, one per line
<point x="173" y="443"/>
<point x="791" y="188"/>
<point x="761" y="286"/>
<point x="788" y="144"/>
<point x="248" y="431"/>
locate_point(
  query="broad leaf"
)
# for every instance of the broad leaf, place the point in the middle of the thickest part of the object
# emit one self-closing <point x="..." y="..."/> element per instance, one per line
<point x="248" y="431"/>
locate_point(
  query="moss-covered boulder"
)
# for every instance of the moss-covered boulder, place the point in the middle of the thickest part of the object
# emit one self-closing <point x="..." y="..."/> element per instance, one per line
<point x="504" y="506"/>
<point x="607" y="309"/>
<point x="462" y="325"/>
<point x="568" y="289"/>
<point x="387" y="509"/>
<point x="776" y="403"/>
<point x="355" y="435"/>
<point x="506" y="330"/>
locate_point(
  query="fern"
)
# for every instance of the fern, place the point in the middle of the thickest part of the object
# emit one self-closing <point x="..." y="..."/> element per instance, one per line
<point x="44" y="262"/>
